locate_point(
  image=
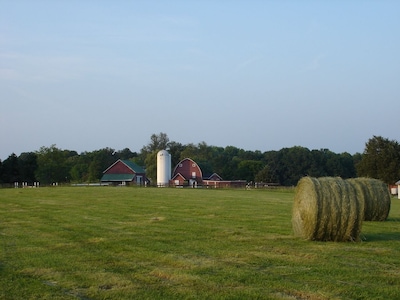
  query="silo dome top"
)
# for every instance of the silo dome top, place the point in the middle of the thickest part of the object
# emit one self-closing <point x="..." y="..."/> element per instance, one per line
<point x="162" y="152"/>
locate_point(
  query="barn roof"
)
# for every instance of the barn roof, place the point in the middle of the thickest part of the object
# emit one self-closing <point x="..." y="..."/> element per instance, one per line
<point x="133" y="166"/>
<point x="178" y="175"/>
<point x="213" y="175"/>
<point x="130" y="164"/>
<point x="117" y="177"/>
<point x="191" y="161"/>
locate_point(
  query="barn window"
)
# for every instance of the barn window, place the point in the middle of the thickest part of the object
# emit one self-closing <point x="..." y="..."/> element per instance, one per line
<point x="193" y="165"/>
<point x="193" y="174"/>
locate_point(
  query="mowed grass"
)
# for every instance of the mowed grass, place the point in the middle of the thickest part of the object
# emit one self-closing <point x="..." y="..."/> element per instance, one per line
<point x="149" y="243"/>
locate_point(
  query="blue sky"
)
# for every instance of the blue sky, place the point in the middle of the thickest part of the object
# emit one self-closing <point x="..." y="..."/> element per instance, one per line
<point x="258" y="75"/>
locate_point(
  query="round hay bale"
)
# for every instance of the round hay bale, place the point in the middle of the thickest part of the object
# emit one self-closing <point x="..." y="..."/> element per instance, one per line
<point x="327" y="209"/>
<point x="376" y="197"/>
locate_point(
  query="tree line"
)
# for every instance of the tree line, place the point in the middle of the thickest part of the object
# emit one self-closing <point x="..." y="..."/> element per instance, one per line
<point x="380" y="159"/>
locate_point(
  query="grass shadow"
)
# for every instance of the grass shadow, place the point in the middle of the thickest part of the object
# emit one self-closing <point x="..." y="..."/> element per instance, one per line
<point x="381" y="236"/>
<point x="393" y="220"/>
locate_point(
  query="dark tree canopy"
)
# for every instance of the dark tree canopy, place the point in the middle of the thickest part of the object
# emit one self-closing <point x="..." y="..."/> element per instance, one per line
<point x="157" y="142"/>
<point x="27" y="165"/>
<point x="52" y="164"/>
<point x="10" y="170"/>
<point x="381" y="159"/>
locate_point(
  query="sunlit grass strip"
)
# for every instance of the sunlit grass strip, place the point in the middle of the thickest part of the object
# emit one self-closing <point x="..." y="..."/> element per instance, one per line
<point x="375" y="194"/>
<point x="327" y="209"/>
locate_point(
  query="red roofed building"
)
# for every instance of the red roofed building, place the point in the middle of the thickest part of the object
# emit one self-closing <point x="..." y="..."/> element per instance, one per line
<point x="124" y="172"/>
<point x="188" y="173"/>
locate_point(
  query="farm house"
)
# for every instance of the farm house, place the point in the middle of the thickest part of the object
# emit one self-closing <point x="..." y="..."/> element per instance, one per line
<point x="124" y="172"/>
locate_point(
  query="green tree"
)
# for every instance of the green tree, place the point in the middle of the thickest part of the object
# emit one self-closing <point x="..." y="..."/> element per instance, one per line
<point x="79" y="167"/>
<point x="157" y="142"/>
<point x="175" y="149"/>
<point x="333" y="164"/>
<point x="248" y="169"/>
<point x="380" y="160"/>
<point x="52" y="165"/>
<point x="10" y="169"/>
<point x="189" y="151"/>
<point x="348" y="167"/>
<point x="295" y="163"/>
<point x="273" y="165"/>
<point x="229" y="160"/>
<point x="148" y="153"/>
<point x="318" y="163"/>
<point x="78" y="173"/>
<point x="202" y="154"/>
<point x="27" y="165"/>
<point x="99" y="161"/>
<point x="151" y="166"/>
<point x="266" y="175"/>
<point x="216" y="160"/>
<point x="126" y="154"/>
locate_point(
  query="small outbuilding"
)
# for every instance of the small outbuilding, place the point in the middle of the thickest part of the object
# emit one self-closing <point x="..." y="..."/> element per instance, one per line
<point x="214" y="177"/>
<point x="398" y="189"/>
<point x="216" y="181"/>
<point x="124" y="172"/>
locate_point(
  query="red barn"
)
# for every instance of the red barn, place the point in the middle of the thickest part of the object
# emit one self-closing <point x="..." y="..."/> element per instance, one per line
<point x="124" y="172"/>
<point x="187" y="172"/>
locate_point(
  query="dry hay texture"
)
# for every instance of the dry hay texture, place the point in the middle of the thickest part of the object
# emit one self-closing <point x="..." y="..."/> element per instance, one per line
<point x="327" y="209"/>
<point x="376" y="197"/>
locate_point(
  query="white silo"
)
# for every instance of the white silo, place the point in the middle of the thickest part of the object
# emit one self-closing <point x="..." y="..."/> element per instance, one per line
<point x="163" y="168"/>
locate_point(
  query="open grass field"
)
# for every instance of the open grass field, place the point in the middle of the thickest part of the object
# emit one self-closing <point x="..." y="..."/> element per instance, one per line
<point x="149" y="243"/>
